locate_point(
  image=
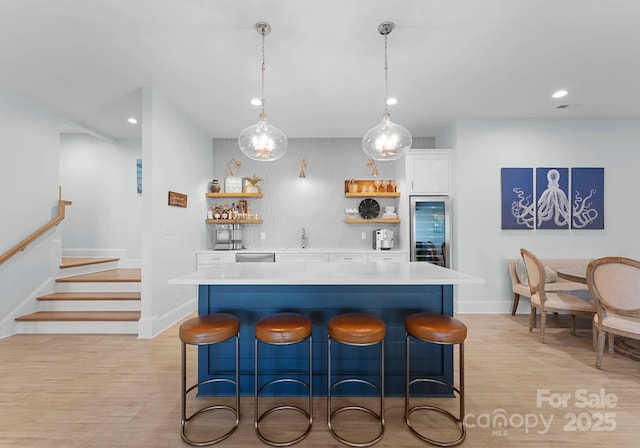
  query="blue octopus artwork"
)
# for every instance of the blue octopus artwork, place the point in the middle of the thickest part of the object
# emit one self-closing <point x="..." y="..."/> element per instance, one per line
<point x="587" y="186"/>
<point x="518" y="205"/>
<point x="553" y="208"/>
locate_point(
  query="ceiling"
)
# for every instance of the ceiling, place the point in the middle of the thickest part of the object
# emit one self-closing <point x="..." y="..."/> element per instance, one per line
<point x="87" y="59"/>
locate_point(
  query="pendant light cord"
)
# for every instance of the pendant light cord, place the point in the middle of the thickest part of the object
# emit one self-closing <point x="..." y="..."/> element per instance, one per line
<point x="386" y="93"/>
<point x="263" y="115"/>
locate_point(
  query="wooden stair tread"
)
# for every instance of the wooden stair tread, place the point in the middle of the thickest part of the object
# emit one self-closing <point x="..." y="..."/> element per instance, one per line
<point x="70" y="262"/>
<point x="91" y="296"/>
<point x="111" y="275"/>
<point x="78" y="316"/>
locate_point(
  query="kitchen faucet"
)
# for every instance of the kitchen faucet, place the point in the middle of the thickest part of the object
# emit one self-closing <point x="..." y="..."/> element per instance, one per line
<point x="305" y="240"/>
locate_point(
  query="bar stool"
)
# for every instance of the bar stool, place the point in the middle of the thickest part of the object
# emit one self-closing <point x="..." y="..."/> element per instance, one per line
<point x="283" y="329"/>
<point x="207" y="330"/>
<point x="436" y="329"/>
<point x="356" y="330"/>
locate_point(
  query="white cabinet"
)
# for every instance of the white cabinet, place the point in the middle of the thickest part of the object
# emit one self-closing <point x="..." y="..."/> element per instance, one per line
<point x="208" y="259"/>
<point x="297" y="257"/>
<point x="355" y="256"/>
<point x="428" y="171"/>
<point x="388" y="256"/>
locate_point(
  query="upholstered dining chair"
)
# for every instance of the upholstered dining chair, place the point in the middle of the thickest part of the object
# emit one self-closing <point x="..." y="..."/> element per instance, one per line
<point x="554" y="302"/>
<point x="614" y="283"/>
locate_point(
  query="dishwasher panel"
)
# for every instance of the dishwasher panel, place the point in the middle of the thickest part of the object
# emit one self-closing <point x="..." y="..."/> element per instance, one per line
<point x="255" y="257"/>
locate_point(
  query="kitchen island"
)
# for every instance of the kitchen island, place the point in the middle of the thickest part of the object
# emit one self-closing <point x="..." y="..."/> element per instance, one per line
<point x="389" y="290"/>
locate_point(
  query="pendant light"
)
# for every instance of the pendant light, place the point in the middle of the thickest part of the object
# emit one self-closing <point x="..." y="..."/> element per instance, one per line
<point x="262" y="141"/>
<point x="387" y="140"/>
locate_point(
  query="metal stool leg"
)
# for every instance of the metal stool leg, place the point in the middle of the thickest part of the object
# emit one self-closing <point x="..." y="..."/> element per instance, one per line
<point x="185" y="391"/>
<point x="330" y="386"/>
<point x="459" y="420"/>
<point x="257" y="417"/>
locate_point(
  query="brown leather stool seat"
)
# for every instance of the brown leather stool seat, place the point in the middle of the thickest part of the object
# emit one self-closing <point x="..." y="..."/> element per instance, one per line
<point x="436" y="329"/>
<point x="207" y="330"/>
<point x="282" y="329"/>
<point x="358" y="330"/>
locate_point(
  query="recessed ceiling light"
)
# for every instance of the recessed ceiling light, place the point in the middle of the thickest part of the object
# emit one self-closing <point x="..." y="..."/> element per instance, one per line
<point x="559" y="93"/>
<point x="391" y="101"/>
<point x="132" y="120"/>
<point x="256" y="102"/>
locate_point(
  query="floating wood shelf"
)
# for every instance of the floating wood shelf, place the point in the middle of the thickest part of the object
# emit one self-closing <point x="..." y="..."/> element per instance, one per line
<point x="372" y="195"/>
<point x="234" y="221"/>
<point x="234" y="195"/>
<point x="369" y="185"/>
<point x="376" y="220"/>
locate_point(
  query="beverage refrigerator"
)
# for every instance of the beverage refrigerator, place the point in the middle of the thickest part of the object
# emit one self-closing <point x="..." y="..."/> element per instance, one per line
<point x="430" y="228"/>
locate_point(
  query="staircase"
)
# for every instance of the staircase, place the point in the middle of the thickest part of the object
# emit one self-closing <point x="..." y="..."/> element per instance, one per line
<point x="92" y="295"/>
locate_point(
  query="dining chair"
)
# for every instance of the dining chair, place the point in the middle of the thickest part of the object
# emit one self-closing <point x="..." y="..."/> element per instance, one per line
<point x="614" y="283"/>
<point x="554" y="302"/>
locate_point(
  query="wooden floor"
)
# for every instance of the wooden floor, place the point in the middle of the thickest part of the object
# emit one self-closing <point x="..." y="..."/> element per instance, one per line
<point x="117" y="391"/>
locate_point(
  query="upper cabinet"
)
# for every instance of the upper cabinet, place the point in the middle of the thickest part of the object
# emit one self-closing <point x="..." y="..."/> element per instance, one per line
<point x="428" y="171"/>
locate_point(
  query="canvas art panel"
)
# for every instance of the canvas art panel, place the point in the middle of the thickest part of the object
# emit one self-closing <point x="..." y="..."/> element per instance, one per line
<point x="553" y="210"/>
<point x="587" y="198"/>
<point x="518" y="204"/>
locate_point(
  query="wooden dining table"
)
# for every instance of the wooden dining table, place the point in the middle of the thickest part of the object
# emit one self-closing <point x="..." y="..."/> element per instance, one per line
<point x="627" y="347"/>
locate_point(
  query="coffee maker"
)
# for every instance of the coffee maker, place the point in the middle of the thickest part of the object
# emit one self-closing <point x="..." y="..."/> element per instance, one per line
<point x="383" y="239"/>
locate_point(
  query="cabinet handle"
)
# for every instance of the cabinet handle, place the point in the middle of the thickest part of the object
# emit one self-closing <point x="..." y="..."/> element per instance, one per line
<point x="348" y="258"/>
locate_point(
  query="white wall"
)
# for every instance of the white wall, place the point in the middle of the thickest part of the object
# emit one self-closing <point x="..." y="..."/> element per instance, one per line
<point x="483" y="147"/>
<point x="29" y="180"/>
<point x="100" y="178"/>
<point x="176" y="156"/>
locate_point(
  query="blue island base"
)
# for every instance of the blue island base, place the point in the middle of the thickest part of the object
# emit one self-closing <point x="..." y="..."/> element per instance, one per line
<point x="391" y="303"/>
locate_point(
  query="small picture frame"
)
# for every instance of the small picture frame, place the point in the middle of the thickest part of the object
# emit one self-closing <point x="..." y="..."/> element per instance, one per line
<point x="233" y="184"/>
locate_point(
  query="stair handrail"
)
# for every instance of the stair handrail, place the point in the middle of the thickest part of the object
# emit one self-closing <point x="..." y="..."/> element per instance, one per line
<point x="22" y="245"/>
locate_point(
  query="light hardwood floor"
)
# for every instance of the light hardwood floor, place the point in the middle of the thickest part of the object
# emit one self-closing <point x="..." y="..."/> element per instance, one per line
<point x="117" y="391"/>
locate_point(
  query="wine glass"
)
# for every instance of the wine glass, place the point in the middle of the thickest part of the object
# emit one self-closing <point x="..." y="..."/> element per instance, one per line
<point x="377" y="183"/>
<point x="384" y="184"/>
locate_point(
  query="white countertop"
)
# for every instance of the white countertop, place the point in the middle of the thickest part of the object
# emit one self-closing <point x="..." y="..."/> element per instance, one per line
<point x="339" y="273"/>
<point x="289" y="250"/>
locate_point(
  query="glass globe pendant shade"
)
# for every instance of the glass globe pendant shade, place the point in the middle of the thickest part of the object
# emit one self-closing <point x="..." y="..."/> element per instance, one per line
<point x="262" y="141"/>
<point x="386" y="141"/>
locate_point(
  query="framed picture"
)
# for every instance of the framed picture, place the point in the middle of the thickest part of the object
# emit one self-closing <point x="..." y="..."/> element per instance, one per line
<point x="553" y="210"/>
<point x="139" y="175"/>
<point x="587" y="198"/>
<point x="518" y="204"/>
<point x="233" y="184"/>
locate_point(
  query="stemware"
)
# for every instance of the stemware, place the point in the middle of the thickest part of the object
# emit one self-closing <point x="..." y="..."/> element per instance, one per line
<point x="384" y="184"/>
<point x="377" y="183"/>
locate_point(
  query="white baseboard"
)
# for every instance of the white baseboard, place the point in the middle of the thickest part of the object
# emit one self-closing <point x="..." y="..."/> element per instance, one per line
<point x="150" y="327"/>
<point x="489" y="307"/>
<point x="8" y="325"/>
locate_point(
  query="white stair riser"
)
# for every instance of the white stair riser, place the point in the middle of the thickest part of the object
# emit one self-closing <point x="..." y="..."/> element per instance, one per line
<point x="91" y="327"/>
<point x="88" y="269"/>
<point x="88" y="305"/>
<point x="98" y="287"/>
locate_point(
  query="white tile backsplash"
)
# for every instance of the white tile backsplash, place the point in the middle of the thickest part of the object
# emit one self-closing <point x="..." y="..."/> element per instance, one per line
<point x="316" y="203"/>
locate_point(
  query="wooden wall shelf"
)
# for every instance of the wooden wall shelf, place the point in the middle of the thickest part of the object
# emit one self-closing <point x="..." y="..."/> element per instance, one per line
<point x="376" y="220"/>
<point x="233" y="221"/>
<point x="234" y="195"/>
<point x="369" y="185"/>
<point x="372" y="195"/>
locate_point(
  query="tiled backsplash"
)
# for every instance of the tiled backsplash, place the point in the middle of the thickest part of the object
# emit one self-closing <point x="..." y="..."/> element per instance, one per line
<point x="317" y="202"/>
